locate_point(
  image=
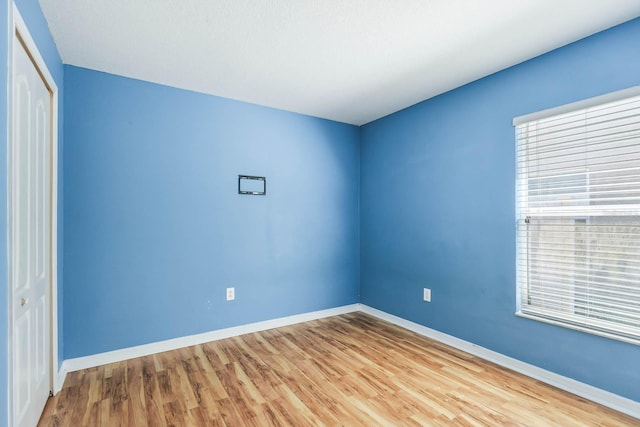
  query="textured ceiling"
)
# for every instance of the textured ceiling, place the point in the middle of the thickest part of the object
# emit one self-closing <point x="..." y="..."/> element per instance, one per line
<point x="347" y="60"/>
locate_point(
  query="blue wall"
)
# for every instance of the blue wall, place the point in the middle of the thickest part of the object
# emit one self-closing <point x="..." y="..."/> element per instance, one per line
<point x="32" y="15"/>
<point x="437" y="209"/>
<point x="155" y="227"/>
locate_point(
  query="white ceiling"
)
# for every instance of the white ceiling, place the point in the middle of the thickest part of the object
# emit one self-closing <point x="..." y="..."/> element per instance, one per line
<point x="347" y="60"/>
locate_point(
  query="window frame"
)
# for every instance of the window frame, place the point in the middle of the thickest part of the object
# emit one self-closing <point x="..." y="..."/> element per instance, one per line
<point x="528" y="118"/>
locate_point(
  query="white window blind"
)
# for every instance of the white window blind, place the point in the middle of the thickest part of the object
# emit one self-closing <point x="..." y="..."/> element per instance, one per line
<point x="578" y="218"/>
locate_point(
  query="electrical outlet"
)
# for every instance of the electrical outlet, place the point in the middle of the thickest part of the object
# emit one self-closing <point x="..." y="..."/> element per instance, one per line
<point x="231" y="294"/>
<point x="426" y="295"/>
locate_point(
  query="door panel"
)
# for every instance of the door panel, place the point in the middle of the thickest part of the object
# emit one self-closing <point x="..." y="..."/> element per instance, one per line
<point x="30" y="242"/>
<point x="22" y="354"/>
<point x="21" y="174"/>
<point x="41" y="334"/>
<point x="40" y="188"/>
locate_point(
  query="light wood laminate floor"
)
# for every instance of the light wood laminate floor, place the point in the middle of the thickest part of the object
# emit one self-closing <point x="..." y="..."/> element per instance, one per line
<point x="351" y="370"/>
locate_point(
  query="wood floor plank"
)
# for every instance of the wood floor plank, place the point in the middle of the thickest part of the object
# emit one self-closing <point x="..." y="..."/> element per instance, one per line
<point x="352" y="370"/>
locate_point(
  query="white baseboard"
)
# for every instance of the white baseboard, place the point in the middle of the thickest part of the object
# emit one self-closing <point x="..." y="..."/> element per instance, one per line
<point x="611" y="400"/>
<point x="78" y="363"/>
<point x="58" y="379"/>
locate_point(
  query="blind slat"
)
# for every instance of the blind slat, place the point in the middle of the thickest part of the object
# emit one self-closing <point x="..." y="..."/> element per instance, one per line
<point x="537" y="146"/>
<point x="593" y="299"/>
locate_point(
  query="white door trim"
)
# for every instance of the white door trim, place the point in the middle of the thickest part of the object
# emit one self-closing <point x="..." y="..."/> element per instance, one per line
<point x="18" y="26"/>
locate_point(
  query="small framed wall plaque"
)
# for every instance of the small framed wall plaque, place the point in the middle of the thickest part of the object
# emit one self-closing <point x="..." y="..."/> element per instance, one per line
<point x="252" y="185"/>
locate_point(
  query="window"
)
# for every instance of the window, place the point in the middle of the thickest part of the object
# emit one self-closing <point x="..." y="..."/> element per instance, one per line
<point x="578" y="215"/>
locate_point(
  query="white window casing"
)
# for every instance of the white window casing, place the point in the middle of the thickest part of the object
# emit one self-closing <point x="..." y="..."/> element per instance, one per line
<point x="578" y="215"/>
